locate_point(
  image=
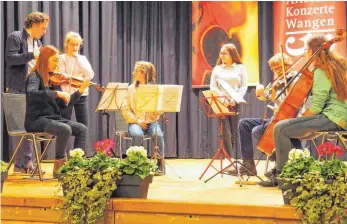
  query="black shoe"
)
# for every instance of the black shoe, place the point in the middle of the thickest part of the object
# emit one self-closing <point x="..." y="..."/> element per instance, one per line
<point x="161" y="168"/>
<point x="270" y="173"/>
<point x="248" y="169"/>
<point x="270" y="182"/>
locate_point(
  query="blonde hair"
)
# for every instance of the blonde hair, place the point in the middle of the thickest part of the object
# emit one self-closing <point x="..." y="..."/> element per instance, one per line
<point x="334" y="65"/>
<point x="146" y="67"/>
<point x="275" y="63"/>
<point x="72" y="35"/>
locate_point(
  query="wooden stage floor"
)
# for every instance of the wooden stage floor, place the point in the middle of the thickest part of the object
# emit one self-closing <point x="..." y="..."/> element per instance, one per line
<point x="170" y="199"/>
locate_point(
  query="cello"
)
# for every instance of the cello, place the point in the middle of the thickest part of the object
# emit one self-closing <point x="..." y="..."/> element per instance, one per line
<point x="296" y="96"/>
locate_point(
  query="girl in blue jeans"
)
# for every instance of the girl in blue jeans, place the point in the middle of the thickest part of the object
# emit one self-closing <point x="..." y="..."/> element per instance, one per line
<point x="143" y="123"/>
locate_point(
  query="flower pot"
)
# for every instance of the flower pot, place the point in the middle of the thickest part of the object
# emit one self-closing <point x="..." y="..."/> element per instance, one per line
<point x="284" y="185"/>
<point x="3" y="178"/>
<point x="60" y="177"/>
<point x="328" y="181"/>
<point x="132" y="186"/>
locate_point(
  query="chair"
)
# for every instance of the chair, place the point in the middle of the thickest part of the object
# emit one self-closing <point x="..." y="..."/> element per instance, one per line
<point x="337" y="136"/>
<point x="14" y="108"/>
<point x="121" y="131"/>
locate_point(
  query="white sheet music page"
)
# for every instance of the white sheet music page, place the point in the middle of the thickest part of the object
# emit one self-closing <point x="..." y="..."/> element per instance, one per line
<point x="230" y="91"/>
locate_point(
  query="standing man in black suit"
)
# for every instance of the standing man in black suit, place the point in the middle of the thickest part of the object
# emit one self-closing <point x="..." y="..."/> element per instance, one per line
<point x="22" y="50"/>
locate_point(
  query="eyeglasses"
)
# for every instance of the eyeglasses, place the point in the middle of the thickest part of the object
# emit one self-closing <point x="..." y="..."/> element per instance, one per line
<point x="74" y="45"/>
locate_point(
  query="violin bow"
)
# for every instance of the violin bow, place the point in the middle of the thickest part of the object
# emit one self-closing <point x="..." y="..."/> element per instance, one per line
<point x="283" y="69"/>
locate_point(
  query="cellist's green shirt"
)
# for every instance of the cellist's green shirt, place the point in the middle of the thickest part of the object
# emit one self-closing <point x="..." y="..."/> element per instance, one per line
<point x="324" y="100"/>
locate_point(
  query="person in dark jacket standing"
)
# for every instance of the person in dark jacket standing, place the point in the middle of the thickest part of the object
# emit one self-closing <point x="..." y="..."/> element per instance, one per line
<point x="44" y="103"/>
<point x="22" y="50"/>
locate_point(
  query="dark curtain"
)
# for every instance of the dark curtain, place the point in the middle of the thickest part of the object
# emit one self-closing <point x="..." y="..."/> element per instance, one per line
<point x="116" y="35"/>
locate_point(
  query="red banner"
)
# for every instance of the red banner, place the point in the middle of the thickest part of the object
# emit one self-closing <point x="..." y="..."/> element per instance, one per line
<point x="296" y="21"/>
<point x="218" y="23"/>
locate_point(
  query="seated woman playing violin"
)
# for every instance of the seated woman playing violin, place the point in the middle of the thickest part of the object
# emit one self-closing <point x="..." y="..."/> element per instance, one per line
<point x="328" y="110"/>
<point x="44" y="105"/>
<point x="254" y="127"/>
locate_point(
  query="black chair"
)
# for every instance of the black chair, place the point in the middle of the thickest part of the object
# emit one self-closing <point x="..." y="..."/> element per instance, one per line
<point x="14" y="108"/>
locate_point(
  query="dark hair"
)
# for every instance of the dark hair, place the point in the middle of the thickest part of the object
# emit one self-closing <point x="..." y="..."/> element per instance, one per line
<point x="234" y="54"/>
<point x="35" y="18"/>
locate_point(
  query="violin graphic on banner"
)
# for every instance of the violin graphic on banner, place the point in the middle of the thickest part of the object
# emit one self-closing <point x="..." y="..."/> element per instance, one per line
<point x="210" y="31"/>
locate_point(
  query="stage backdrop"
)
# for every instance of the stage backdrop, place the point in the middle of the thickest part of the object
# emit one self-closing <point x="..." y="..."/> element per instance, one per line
<point x="295" y="22"/>
<point x="218" y="23"/>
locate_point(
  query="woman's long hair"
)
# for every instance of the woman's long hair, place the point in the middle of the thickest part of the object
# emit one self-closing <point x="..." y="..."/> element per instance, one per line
<point x="148" y="68"/>
<point x="334" y="66"/>
<point x="41" y="65"/>
<point x="234" y="54"/>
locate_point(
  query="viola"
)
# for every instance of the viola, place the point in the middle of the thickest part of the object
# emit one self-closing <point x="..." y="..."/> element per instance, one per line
<point x="296" y="96"/>
<point x="57" y="78"/>
<point x="279" y="82"/>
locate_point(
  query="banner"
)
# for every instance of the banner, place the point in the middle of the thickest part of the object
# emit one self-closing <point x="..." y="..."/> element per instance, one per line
<point x="218" y="23"/>
<point x="296" y="21"/>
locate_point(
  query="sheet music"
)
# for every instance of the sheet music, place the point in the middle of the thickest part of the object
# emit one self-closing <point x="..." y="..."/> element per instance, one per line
<point x="218" y="105"/>
<point x="230" y="91"/>
<point x="113" y="97"/>
<point x="159" y="98"/>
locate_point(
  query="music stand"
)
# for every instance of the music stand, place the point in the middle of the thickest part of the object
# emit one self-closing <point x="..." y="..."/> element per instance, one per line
<point x="159" y="99"/>
<point x="213" y="105"/>
<point x="112" y="99"/>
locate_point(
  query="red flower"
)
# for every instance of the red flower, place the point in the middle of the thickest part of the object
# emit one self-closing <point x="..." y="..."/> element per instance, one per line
<point x="108" y="143"/>
<point x="104" y="146"/>
<point x="338" y="150"/>
<point x="325" y="148"/>
<point x="98" y="147"/>
<point x="108" y="152"/>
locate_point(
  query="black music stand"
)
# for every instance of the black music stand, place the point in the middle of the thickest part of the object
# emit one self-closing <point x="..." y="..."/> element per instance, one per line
<point x="159" y="99"/>
<point x="112" y="100"/>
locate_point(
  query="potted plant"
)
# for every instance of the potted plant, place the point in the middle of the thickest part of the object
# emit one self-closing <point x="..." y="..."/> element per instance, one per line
<point x="137" y="173"/>
<point x="4" y="174"/>
<point x="88" y="183"/>
<point x="320" y="202"/>
<point x="319" y="194"/>
<point x="299" y="162"/>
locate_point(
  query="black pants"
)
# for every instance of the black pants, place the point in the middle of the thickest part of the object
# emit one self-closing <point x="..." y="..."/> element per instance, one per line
<point x="81" y="111"/>
<point x="63" y="129"/>
<point x="230" y="133"/>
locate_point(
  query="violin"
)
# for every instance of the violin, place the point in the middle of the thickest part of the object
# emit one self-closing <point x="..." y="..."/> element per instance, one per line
<point x="279" y="82"/>
<point x="57" y="78"/>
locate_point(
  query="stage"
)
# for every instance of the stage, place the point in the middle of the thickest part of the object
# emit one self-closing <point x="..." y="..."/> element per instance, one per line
<point x="170" y="199"/>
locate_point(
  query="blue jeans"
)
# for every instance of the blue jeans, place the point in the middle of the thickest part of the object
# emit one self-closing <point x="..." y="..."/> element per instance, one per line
<point x="248" y="128"/>
<point x="137" y="134"/>
<point x="253" y="127"/>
